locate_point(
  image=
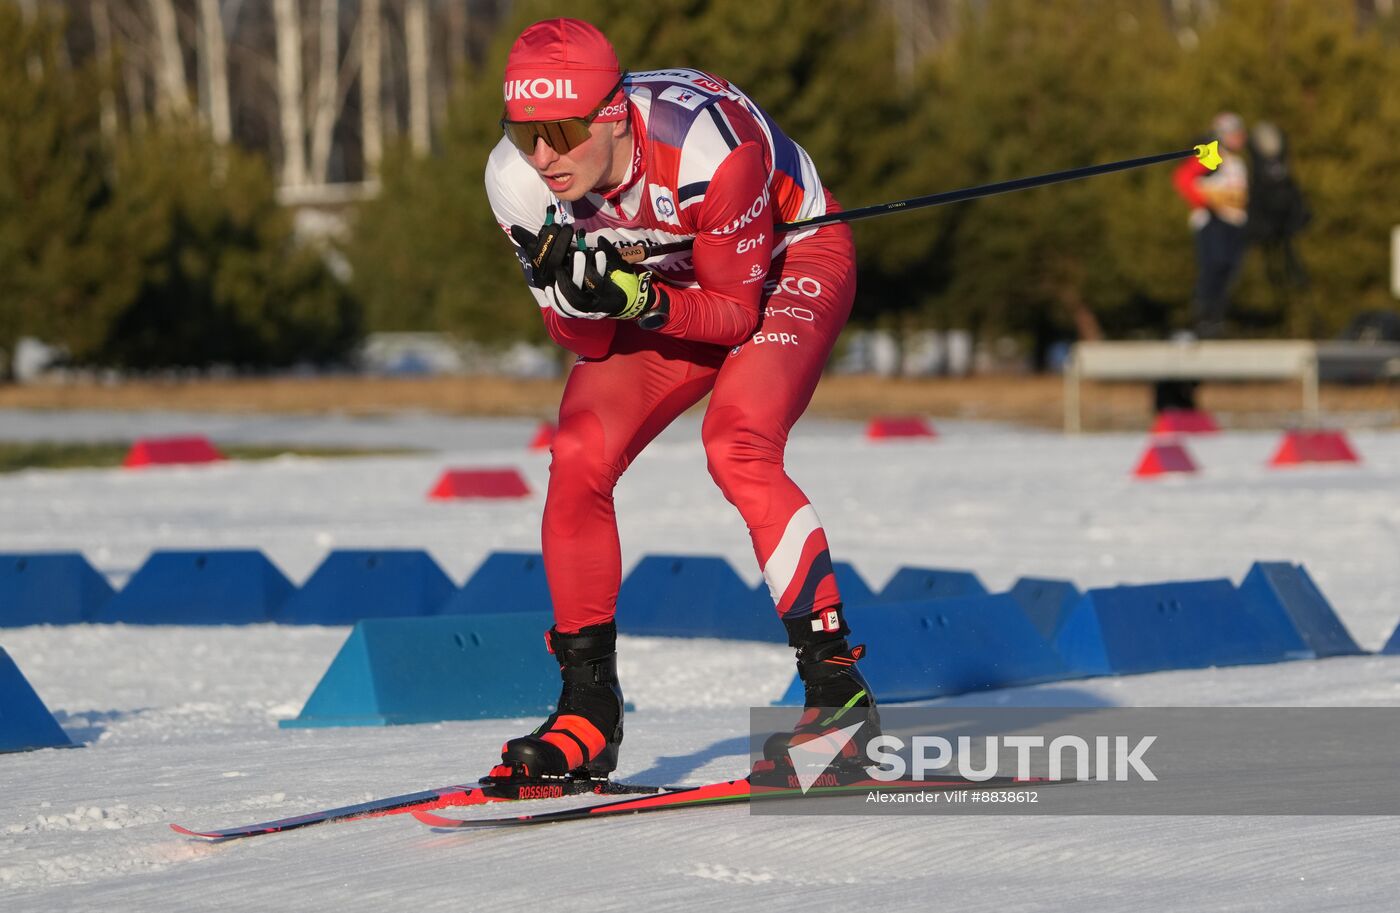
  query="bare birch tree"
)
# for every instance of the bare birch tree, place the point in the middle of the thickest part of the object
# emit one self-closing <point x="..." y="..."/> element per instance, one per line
<point x="371" y="128"/>
<point x="923" y="26"/>
<point x="28" y="9"/>
<point x="402" y="57"/>
<point x="214" y="58"/>
<point x="323" y="120"/>
<point x="134" y="82"/>
<point x="449" y="70"/>
<point x="102" y="38"/>
<point x="173" y="97"/>
<point x="289" y="82"/>
<point x="416" y="45"/>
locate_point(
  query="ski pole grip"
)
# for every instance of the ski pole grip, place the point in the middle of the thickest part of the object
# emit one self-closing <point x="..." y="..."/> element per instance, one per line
<point x="635" y="252"/>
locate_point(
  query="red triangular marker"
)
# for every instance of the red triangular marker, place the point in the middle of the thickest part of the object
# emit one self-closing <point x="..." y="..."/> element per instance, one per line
<point x="896" y="426"/>
<point x="1313" y="447"/>
<point x="1164" y="456"/>
<point x="155" y="451"/>
<point x="457" y="484"/>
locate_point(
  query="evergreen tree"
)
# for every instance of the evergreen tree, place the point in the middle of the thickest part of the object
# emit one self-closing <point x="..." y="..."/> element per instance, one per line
<point x="1033" y="87"/>
<point x="426" y="254"/>
<point x="166" y="250"/>
<point x="53" y="184"/>
<point x="217" y="275"/>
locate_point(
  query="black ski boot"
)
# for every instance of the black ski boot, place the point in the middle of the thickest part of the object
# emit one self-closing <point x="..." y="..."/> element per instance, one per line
<point x="580" y="739"/>
<point x="837" y="695"/>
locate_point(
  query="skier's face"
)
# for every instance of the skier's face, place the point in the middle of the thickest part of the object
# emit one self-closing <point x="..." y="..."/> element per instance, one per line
<point x="598" y="163"/>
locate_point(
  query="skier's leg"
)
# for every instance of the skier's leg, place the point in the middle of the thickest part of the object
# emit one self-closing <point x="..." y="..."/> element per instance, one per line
<point x="611" y="409"/>
<point x="762" y="389"/>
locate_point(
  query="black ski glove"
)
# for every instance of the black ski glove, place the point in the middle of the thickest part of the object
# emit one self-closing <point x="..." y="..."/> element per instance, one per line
<point x="599" y="283"/>
<point x="545" y="252"/>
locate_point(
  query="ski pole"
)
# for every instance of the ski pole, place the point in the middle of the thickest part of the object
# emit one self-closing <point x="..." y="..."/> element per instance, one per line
<point x="1207" y="154"/>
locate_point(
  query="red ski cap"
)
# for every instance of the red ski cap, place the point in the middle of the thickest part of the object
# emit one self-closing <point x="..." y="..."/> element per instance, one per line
<point x="562" y="68"/>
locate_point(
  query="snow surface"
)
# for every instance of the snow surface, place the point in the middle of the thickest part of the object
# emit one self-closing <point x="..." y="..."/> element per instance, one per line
<point x="180" y="723"/>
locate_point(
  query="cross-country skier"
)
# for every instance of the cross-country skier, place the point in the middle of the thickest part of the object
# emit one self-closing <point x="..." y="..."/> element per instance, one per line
<point x="593" y="157"/>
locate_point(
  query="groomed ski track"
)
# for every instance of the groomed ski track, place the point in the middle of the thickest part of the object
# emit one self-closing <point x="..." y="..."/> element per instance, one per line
<point x="180" y="723"/>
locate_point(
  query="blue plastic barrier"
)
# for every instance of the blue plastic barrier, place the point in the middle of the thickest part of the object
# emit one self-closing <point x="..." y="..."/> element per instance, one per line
<point x="57" y="588"/>
<point x="393" y="671"/>
<point x="1392" y="646"/>
<point x="352" y="585"/>
<point x="199" y="588"/>
<point x="1186" y="625"/>
<point x="938" y="647"/>
<point x="1284" y="597"/>
<point x="695" y="596"/>
<point x="505" y="582"/>
<point x="853" y="587"/>
<point x="1046" y="602"/>
<point x="916" y="583"/>
<point x="25" y="723"/>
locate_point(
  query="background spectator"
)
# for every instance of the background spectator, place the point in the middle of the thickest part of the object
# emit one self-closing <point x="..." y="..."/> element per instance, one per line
<point x="1219" y="203"/>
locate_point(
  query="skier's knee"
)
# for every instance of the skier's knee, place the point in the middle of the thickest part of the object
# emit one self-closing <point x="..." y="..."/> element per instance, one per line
<point x="736" y="454"/>
<point x="579" y="459"/>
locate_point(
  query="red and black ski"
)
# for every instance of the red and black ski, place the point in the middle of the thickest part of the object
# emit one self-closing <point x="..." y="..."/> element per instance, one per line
<point x="428" y="799"/>
<point x="727" y="792"/>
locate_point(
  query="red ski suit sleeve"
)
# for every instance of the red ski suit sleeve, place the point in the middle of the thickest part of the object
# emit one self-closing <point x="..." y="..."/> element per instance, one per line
<point x="732" y="253"/>
<point x="1184" y="179"/>
<point x="589" y="338"/>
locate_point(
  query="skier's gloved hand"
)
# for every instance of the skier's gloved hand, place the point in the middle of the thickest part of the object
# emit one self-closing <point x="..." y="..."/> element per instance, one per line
<point x="545" y="252"/>
<point x="550" y="298"/>
<point x="598" y="283"/>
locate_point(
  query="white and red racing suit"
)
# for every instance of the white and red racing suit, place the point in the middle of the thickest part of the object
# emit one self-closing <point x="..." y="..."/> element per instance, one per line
<point x="753" y="319"/>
